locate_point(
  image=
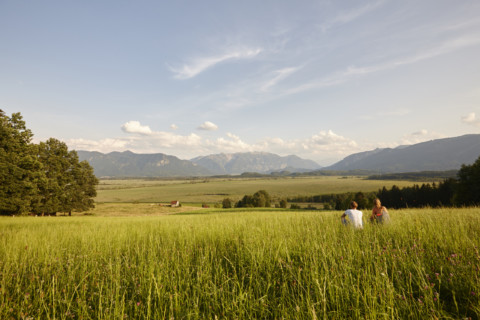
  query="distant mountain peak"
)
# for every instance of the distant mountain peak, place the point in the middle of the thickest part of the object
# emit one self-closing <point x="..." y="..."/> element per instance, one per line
<point x="258" y="162"/>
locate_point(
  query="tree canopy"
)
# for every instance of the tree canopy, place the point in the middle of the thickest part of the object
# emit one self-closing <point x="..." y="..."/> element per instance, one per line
<point x="468" y="192"/>
<point x="43" y="178"/>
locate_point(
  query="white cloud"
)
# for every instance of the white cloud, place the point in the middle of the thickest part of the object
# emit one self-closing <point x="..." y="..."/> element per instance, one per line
<point x="198" y="65"/>
<point x="103" y="145"/>
<point x="324" y="144"/>
<point x="230" y="144"/>
<point x="208" y="126"/>
<point x="173" y="126"/>
<point x="471" y="119"/>
<point x="136" y="127"/>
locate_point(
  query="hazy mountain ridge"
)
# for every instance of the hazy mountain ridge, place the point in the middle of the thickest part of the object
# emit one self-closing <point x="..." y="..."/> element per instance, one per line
<point x="129" y="164"/>
<point x="435" y="155"/>
<point x="260" y="162"/>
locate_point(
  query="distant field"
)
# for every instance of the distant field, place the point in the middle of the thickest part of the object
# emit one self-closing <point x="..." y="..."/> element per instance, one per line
<point x="212" y="190"/>
<point x="240" y="264"/>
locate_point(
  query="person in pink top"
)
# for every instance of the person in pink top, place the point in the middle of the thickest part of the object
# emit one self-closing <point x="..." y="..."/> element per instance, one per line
<point x="379" y="212"/>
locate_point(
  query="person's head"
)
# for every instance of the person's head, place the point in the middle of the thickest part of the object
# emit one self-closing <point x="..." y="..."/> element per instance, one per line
<point x="377" y="203"/>
<point x="353" y="205"/>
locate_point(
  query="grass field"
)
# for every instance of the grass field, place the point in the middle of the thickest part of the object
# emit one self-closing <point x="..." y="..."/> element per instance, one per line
<point x="212" y="190"/>
<point x="234" y="264"/>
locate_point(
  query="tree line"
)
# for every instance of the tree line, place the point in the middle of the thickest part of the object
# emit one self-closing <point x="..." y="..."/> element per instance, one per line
<point x="43" y="178"/>
<point x="459" y="192"/>
<point x="464" y="190"/>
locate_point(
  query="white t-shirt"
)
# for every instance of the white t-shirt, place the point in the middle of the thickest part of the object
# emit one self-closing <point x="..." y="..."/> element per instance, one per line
<point x="355" y="217"/>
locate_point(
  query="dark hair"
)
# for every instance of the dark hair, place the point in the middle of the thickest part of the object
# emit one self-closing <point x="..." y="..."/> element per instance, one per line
<point x="353" y="205"/>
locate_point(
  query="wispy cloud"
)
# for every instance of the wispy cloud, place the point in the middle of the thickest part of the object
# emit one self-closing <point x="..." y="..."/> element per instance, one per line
<point x="471" y="119"/>
<point x="444" y="48"/>
<point x="198" y="65"/>
<point x="349" y="16"/>
<point x="208" y="126"/>
<point x="350" y="72"/>
<point x="278" y="76"/>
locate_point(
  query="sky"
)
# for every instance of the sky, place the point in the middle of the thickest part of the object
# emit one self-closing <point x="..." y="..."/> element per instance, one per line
<point x="318" y="79"/>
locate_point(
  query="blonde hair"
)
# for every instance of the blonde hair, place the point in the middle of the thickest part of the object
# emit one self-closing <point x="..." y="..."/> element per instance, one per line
<point x="377" y="203"/>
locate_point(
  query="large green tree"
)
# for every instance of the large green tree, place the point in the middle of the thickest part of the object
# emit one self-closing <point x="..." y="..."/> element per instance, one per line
<point x="44" y="179"/>
<point x="20" y="169"/>
<point x="69" y="185"/>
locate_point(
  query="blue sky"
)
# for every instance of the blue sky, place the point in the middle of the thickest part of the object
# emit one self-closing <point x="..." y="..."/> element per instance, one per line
<point x="319" y="79"/>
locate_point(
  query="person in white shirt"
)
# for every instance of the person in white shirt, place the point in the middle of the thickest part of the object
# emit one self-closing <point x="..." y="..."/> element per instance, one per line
<point x="354" y="216"/>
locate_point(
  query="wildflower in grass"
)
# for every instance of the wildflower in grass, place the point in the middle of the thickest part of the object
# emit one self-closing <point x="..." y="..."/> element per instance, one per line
<point x="472" y="293"/>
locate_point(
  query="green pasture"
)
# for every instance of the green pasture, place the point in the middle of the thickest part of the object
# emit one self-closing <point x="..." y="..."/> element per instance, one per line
<point x="240" y="264"/>
<point x="214" y="190"/>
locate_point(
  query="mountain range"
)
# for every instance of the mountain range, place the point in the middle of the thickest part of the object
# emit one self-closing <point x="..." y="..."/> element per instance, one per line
<point x="435" y="155"/>
<point x="129" y="164"/>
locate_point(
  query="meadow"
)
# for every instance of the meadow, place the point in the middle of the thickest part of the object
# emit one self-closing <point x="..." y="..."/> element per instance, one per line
<point x="240" y="264"/>
<point x="214" y="190"/>
<point x="130" y="258"/>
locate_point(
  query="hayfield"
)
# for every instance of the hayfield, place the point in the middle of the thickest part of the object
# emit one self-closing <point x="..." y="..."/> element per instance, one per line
<point x="240" y="264"/>
<point x="213" y="190"/>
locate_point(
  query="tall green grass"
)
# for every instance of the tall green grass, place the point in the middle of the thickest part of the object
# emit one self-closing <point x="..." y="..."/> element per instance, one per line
<point x="241" y="264"/>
